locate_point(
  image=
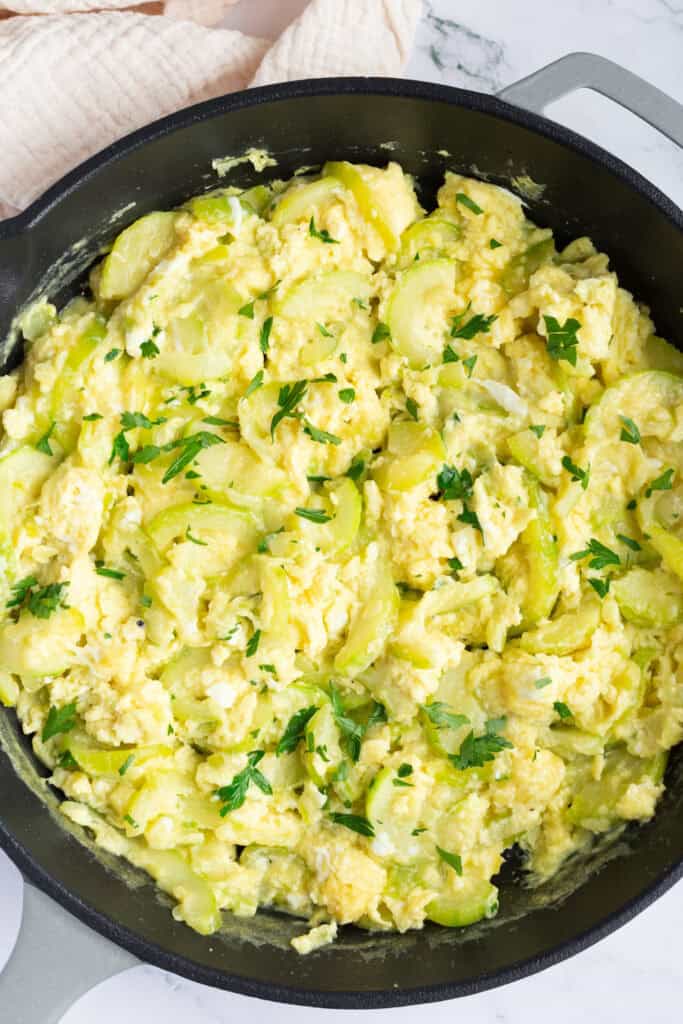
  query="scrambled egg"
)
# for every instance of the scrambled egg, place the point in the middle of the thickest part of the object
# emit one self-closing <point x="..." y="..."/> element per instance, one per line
<point x="341" y="550"/>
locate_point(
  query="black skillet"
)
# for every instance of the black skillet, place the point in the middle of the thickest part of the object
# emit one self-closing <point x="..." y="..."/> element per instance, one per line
<point x="47" y="248"/>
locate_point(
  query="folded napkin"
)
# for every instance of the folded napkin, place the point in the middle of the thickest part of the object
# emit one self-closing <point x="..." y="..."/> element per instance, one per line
<point x="74" y="78"/>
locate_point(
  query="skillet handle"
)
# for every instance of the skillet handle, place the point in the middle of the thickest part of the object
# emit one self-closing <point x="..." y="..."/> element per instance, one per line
<point x="588" y="71"/>
<point x="55" y="961"/>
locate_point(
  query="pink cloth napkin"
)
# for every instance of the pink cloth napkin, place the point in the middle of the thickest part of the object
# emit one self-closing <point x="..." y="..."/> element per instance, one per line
<point x="74" y="78"/>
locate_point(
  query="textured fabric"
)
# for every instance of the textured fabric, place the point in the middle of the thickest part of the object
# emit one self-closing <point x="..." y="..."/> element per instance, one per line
<point x="72" y="83"/>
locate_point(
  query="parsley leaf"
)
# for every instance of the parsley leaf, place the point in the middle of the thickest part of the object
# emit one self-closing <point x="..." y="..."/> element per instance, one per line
<point x="59" y="720"/>
<point x="255" y="383"/>
<point x="470" y="363"/>
<point x="470" y="518"/>
<point x="252" y="645"/>
<point x="43" y="445"/>
<point x="629" y="542"/>
<point x="42" y="603"/>
<point x="494" y="243"/>
<point x="543" y="682"/>
<point x="452" y="859"/>
<point x="149" y="349"/>
<point x="323" y="236"/>
<point x="295" y="730"/>
<point x="314" y="515"/>
<point x="377" y="716"/>
<point x="629" y="431"/>
<point x="146" y="454"/>
<point x="247" y="310"/>
<point x="120" y="448"/>
<point x="412" y="409"/>
<point x="562" y="340"/>
<point x="440" y="714"/>
<point x="289" y="397"/>
<point x="21" y="591"/>
<point x="195" y="540"/>
<point x="380" y="333"/>
<point x="601" y="587"/>
<point x="450" y="355"/>
<point x="126" y="764"/>
<point x="324" y="331"/>
<point x="356" y="469"/>
<point x="234" y="795"/>
<point x="478" y="324"/>
<point x="662" y="483"/>
<point x="190" y="447"/>
<point x="347" y="395"/>
<point x="92" y="416"/>
<point x="582" y="476"/>
<point x="353" y="821"/>
<point x="112" y="574"/>
<point x="404" y="770"/>
<point x="264" y="337"/>
<point x="455" y="565"/>
<point x="218" y="421"/>
<point x="112" y="354"/>
<point x="602" y="555"/>
<point x="352" y="732"/>
<point x="476" y="751"/>
<point x="321" y="436"/>
<point x="131" y="420"/>
<point x="538" y="429"/>
<point x="468" y="203"/>
<point x="454" y="484"/>
<point x="562" y="709"/>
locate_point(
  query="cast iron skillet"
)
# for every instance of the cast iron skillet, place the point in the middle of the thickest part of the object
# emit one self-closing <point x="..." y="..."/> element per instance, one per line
<point x="587" y="191"/>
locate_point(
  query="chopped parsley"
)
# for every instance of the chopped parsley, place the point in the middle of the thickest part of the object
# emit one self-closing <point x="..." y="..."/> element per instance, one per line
<point x="92" y="416"/>
<point x="478" y="324"/>
<point x="494" y="243"/>
<point x="218" y="421"/>
<point x="455" y="565"/>
<point x="59" y="720"/>
<point x="602" y="555"/>
<point x="562" y="709"/>
<point x="441" y="715"/>
<point x="454" y="483"/>
<point x="452" y="859"/>
<point x="321" y="436"/>
<point x="470" y="363"/>
<point x="544" y="681"/>
<point x="247" y="310"/>
<point x="380" y="333"/>
<point x="264" y="336"/>
<point x="252" y="645"/>
<point x="314" y="515"/>
<point x="538" y="429"/>
<point x="324" y="331"/>
<point x="412" y="409"/>
<point x="629" y="542"/>
<point x="470" y="518"/>
<point x="468" y="203"/>
<point x="40" y="602"/>
<point x="352" y="732"/>
<point x="450" y="355"/>
<point x="662" y="483"/>
<point x="112" y="574"/>
<point x="289" y="397"/>
<point x="234" y="795"/>
<point x="353" y="821"/>
<point x="295" y="730"/>
<point x="190" y="447"/>
<point x="476" y="751"/>
<point x="581" y="476"/>
<point x="149" y="349"/>
<point x="323" y="235"/>
<point x="255" y="383"/>
<point x="629" y="431"/>
<point x="112" y="354"/>
<point x="43" y="445"/>
<point x="347" y="395"/>
<point x="562" y="340"/>
<point x="601" y="587"/>
<point x="120" y="448"/>
<point x="356" y="469"/>
<point x="126" y="764"/>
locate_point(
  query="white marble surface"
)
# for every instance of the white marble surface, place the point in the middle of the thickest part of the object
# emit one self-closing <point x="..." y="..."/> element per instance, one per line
<point x="635" y="974"/>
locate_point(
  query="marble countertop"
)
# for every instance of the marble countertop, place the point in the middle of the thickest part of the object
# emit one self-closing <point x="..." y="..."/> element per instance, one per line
<point x="635" y="974"/>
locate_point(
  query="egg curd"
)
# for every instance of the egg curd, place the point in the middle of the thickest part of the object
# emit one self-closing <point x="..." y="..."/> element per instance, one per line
<point x="342" y="550"/>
